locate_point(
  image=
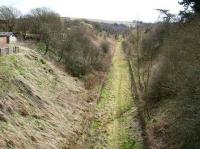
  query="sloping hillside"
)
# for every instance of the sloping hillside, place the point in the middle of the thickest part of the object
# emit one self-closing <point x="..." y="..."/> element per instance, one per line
<point x="40" y="106"/>
<point x="169" y="59"/>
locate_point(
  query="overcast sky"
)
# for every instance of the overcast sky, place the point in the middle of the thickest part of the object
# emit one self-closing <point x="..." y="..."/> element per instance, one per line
<point x="121" y="10"/>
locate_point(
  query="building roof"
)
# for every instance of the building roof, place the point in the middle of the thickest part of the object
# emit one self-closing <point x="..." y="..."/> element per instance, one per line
<point x="6" y="34"/>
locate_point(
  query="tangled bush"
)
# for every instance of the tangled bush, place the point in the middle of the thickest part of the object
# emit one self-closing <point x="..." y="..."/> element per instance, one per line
<point x="105" y="46"/>
<point x="79" y="54"/>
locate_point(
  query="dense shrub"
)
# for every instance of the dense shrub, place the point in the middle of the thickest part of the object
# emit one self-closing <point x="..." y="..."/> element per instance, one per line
<point x="105" y="46"/>
<point x="178" y="81"/>
<point x="41" y="47"/>
<point x="173" y="97"/>
<point x="79" y="54"/>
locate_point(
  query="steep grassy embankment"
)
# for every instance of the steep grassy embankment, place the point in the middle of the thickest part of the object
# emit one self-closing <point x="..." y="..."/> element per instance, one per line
<point x="174" y="92"/>
<point x="168" y="60"/>
<point x="40" y="106"/>
<point x="116" y="125"/>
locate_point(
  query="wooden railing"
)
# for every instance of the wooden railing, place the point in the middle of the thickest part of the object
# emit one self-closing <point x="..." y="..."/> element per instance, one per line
<point x="9" y="50"/>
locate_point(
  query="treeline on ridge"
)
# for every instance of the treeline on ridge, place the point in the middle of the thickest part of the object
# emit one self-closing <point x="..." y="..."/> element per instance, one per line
<point x="74" y="43"/>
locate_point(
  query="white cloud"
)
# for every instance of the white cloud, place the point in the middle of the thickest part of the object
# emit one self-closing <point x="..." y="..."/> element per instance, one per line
<point x="100" y="9"/>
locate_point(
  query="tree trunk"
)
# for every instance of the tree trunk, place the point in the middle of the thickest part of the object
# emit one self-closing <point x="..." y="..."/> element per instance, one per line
<point x="47" y="49"/>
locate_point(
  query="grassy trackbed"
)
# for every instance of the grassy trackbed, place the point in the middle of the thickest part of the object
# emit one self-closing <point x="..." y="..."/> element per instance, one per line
<point x="115" y="125"/>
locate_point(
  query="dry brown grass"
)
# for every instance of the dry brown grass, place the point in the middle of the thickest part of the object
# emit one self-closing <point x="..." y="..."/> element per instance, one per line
<point x="41" y="106"/>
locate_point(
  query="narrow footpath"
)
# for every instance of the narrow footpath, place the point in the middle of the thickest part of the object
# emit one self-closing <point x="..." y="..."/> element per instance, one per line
<point x="116" y="125"/>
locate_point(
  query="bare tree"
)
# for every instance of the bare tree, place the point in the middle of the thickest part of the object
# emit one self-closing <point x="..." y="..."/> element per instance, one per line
<point x="9" y="16"/>
<point x="46" y="24"/>
<point x="166" y="16"/>
<point x="141" y="62"/>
